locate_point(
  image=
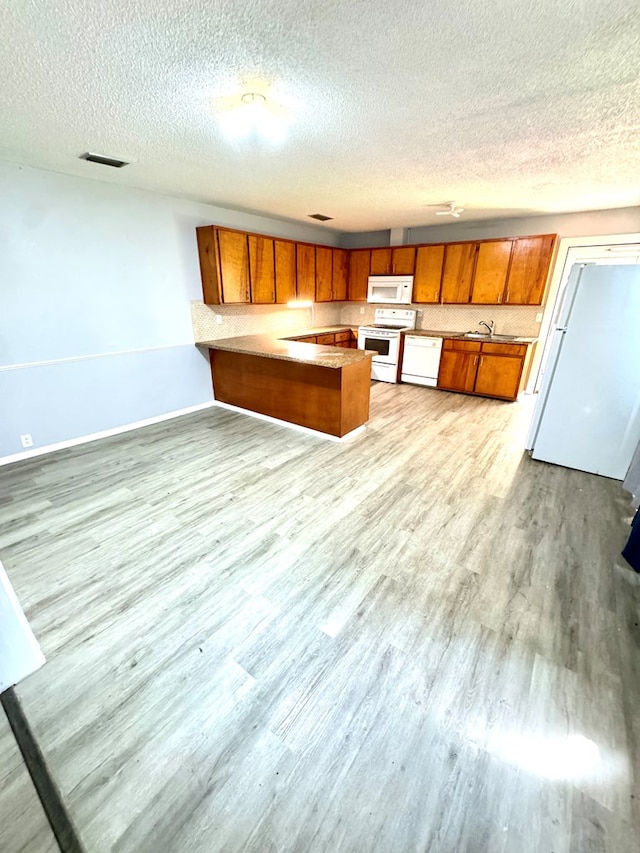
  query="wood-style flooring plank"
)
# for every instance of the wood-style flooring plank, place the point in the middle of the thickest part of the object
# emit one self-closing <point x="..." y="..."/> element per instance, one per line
<point x="258" y="640"/>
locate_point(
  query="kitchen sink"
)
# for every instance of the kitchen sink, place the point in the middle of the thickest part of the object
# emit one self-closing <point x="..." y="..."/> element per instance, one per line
<point x="484" y="337"/>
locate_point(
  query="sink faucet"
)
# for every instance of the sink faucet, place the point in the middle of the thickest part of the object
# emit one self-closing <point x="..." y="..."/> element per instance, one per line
<point x="490" y="326"/>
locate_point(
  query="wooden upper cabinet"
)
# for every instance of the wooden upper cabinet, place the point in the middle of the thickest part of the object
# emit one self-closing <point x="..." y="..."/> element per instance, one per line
<point x="285" y="269"/>
<point x="233" y="247"/>
<point x="306" y="271"/>
<point x="324" y="274"/>
<point x="262" y="268"/>
<point x="380" y="262"/>
<point x="529" y="271"/>
<point x="428" y="274"/>
<point x="339" y="274"/>
<point x="397" y="260"/>
<point x="457" y="275"/>
<point x="403" y="260"/>
<point x="490" y="276"/>
<point x="208" y="256"/>
<point x="359" y="262"/>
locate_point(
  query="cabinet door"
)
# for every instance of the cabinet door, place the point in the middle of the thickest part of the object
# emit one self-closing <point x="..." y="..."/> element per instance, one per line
<point x="490" y="276"/>
<point x="380" y="262"/>
<point x="324" y="274"/>
<point x="499" y="376"/>
<point x="428" y="274"/>
<point x="403" y="260"/>
<point x="529" y="269"/>
<point x="339" y="275"/>
<point x="459" y="262"/>
<point x="262" y="267"/>
<point x="457" y="370"/>
<point x="306" y="271"/>
<point x="359" y="261"/>
<point x="285" y="262"/>
<point x="208" y="256"/>
<point x="234" y="266"/>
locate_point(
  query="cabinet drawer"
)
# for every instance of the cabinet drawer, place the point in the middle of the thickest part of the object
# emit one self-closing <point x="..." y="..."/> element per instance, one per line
<point x="325" y="339"/>
<point x="463" y="346"/>
<point x="343" y="336"/>
<point x="307" y="339"/>
<point x="505" y="349"/>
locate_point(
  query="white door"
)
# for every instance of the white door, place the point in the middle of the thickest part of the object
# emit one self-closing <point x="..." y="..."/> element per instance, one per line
<point x="588" y="416"/>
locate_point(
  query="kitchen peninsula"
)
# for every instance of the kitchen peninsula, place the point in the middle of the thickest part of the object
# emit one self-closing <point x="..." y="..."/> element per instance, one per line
<point x="323" y="388"/>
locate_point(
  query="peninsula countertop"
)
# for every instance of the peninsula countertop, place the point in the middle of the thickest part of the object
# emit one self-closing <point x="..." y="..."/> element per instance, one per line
<point x="271" y="346"/>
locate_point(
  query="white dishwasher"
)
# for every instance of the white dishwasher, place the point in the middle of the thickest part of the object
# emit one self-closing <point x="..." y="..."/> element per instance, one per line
<point x="421" y="360"/>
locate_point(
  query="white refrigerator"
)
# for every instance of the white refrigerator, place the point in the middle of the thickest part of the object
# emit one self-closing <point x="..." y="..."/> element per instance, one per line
<point x="588" y="412"/>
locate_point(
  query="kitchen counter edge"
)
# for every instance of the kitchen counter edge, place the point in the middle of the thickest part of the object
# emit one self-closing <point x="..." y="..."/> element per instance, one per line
<point x="270" y="346"/>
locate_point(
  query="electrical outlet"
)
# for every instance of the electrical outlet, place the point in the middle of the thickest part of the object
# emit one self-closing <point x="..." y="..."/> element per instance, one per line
<point x="362" y="310"/>
<point x="218" y="319"/>
<point x="539" y="317"/>
<point x="26" y="440"/>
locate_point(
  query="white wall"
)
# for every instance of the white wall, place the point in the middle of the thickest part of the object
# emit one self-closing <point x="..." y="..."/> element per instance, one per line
<point x="624" y="220"/>
<point x="96" y="282"/>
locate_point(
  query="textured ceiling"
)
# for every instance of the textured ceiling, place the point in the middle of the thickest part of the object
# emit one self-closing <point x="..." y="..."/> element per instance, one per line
<point x="507" y="106"/>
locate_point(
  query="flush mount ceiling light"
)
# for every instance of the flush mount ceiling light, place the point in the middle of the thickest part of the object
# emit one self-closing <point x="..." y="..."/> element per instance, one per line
<point x="253" y="112"/>
<point x="452" y="209"/>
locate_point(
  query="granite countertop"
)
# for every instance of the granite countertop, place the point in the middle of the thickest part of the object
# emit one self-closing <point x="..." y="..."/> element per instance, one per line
<point x="270" y="346"/>
<point x="432" y="333"/>
<point x="320" y="330"/>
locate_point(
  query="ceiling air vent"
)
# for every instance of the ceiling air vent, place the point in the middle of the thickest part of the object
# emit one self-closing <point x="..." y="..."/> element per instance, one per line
<point x="104" y="161"/>
<point x="320" y="217"/>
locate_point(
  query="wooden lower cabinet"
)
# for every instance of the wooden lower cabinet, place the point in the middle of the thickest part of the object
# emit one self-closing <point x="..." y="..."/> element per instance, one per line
<point x="499" y="376"/>
<point x="487" y="369"/>
<point x="458" y="371"/>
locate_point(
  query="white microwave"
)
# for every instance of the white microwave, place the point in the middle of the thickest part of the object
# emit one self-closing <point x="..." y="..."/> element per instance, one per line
<point x="390" y="289"/>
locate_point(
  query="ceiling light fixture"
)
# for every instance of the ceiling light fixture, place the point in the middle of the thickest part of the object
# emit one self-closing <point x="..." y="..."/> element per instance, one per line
<point x="253" y="114"/>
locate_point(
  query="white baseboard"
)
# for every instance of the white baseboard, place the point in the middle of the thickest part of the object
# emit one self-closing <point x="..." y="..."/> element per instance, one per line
<point x="85" y="439"/>
<point x="289" y="425"/>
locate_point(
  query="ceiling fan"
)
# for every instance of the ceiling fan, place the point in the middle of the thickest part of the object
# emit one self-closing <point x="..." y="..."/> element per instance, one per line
<point x="453" y="209"/>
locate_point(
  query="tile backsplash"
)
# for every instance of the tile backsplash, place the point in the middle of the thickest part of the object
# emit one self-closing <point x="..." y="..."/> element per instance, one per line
<point x="211" y="322"/>
<point x="259" y="319"/>
<point x="509" y="319"/>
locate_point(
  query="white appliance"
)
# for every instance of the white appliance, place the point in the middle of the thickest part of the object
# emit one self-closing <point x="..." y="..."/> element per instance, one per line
<point x="588" y="413"/>
<point x="383" y="337"/>
<point x="390" y="289"/>
<point x="421" y="360"/>
<point x="20" y="654"/>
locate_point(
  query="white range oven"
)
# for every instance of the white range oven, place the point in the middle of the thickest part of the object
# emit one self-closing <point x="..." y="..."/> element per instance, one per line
<point x="383" y="337"/>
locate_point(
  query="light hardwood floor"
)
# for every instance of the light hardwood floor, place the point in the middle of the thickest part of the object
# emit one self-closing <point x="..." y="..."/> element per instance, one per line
<point x="257" y="640"/>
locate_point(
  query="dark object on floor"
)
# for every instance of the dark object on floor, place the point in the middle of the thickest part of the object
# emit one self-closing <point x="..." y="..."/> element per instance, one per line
<point x="631" y="551"/>
<point x="46" y="788"/>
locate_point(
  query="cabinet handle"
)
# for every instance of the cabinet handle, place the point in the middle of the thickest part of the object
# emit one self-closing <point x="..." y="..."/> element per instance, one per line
<point x="475" y="361"/>
<point x="480" y="361"/>
<point x="507" y="295"/>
